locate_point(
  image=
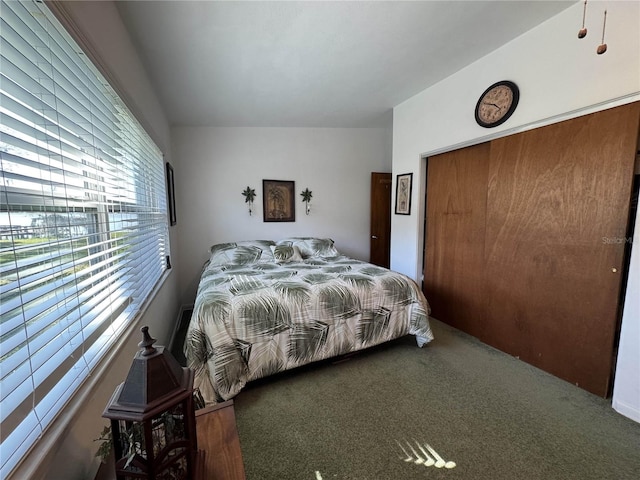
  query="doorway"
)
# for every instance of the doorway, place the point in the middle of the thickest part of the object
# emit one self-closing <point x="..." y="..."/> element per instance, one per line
<point x="380" y="228"/>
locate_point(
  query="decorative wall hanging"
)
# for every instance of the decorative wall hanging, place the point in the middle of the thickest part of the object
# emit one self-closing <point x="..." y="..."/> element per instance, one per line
<point x="249" y="195"/>
<point x="603" y="46"/>
<point x="306" y="198"/>
<point x="403" y="194"/>
<point x="171" y="195"/>
<point x="583" y="31"/>
<point x="278" y="201"/>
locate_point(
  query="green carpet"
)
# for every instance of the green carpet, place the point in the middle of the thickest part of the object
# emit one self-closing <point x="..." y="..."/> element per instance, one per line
<point x="493" y="415"/>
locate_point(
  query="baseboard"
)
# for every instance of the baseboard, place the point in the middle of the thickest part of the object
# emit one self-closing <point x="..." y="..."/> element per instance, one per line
<point x="627" y="410"/>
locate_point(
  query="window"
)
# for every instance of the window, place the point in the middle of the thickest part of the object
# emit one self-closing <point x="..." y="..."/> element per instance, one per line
<point x="83" y="221"/>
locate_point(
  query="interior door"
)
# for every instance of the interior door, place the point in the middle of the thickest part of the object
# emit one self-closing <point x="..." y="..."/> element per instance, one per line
<point x="533" y="235"/>
<point x="380" y="242"/>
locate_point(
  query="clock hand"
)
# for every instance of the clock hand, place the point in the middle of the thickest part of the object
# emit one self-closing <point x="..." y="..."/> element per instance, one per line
<point x="493" y="104"/>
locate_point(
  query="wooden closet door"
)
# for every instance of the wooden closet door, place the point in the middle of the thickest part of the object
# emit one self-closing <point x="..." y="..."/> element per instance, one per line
<point x="525" y="242"/>
<point x="557" y="212"/>
<point x="455" y="236"/>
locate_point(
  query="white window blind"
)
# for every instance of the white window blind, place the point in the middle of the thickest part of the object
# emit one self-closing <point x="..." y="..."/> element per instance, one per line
<point x="83" y="221"/>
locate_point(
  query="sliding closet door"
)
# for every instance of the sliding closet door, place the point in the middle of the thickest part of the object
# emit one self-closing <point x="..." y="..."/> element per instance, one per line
<point x="454" y="246"/>
<point x="557" y="211"/>
<point x="525" y="242"/>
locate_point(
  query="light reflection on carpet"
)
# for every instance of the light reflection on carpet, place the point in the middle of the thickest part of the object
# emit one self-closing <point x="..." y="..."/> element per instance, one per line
<point x="428" y="459"/>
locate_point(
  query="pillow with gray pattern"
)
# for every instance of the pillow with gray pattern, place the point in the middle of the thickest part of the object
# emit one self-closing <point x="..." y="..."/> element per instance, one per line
<point x="312" y="247"/>
<point x="286" y="253"/>
<point x="241" y="253"/>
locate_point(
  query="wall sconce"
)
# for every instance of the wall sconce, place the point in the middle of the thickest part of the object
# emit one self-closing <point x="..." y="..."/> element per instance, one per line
<point x="249" y="195"/>
<point x="306" y="198"/>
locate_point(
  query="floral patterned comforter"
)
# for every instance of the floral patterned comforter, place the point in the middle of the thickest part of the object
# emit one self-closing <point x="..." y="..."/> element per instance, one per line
<point x="251" y="320"/>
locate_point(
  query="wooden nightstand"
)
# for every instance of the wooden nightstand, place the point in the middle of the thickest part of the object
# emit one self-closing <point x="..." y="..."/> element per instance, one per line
<point x="218" y="439"/>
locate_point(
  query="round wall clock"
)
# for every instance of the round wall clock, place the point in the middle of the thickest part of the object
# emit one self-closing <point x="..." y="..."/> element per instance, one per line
<point x="497" y="104"/>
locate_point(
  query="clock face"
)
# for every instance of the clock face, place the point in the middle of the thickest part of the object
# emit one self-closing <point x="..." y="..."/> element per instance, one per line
<point x="497" y="104"/>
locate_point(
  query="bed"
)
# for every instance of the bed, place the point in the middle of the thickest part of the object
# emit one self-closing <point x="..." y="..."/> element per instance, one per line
<point x="264" y="307"/>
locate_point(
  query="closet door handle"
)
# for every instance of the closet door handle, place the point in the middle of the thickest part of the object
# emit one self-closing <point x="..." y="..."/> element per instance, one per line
<point x="375" y="237"/>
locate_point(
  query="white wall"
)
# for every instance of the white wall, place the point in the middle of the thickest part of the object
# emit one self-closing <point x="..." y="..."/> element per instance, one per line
<point x="626" y="390"/>
<point x="67" y="449"/>
<point x="559" y="77"/>
<point x="217" y="164"/>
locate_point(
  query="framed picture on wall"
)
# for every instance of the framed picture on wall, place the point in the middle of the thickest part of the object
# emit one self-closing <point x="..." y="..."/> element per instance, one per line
<point x="403" y="194"/>
<point x="171" y="196"/>
<point x="278" y="202"/>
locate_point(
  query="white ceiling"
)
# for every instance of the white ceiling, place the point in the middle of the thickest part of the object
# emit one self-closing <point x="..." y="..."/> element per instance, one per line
<point x="314" y="63"/>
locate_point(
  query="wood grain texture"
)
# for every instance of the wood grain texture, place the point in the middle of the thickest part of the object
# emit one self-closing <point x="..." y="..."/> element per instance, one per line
<point x="380" y="235"/>
<point x="525" y="241"/>
<point x="218" y="437"/>
<point x="557" y="206"/>
<point x="454" y="247"/>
